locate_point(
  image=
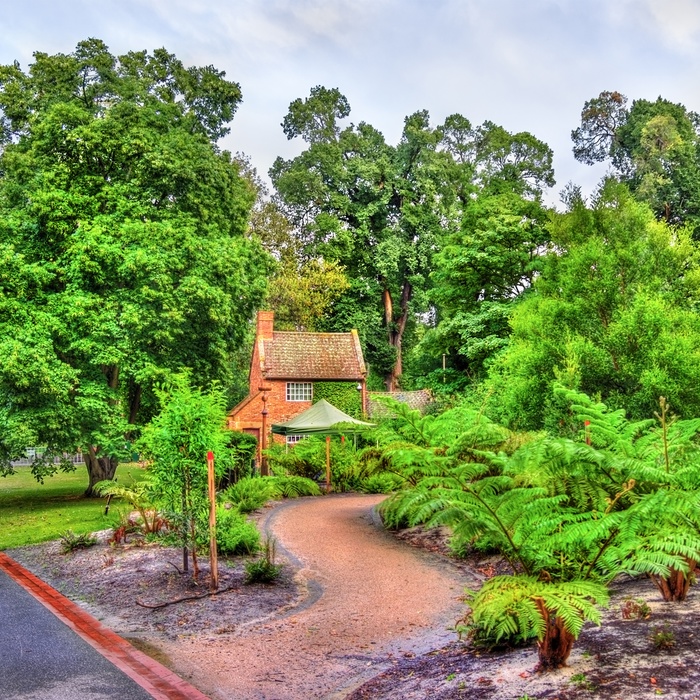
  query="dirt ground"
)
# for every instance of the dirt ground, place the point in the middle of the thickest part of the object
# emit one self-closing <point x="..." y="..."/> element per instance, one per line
<point x="358" y="614"/>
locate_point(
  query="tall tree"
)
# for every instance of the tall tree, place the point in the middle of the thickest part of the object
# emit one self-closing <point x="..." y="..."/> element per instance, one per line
<point x="381" y="211"/>
<point x="123" y="246"/>
<point x="355" y="200"/>
<point x="654" y="148"/>
<point x="490" y="248"/>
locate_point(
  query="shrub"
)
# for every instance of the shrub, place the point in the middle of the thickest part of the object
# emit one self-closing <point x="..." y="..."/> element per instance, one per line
<point x="294" y="486"/>
<point x="380" y="483"/>
<point x="308" y="459"/>
<point x="250" y="493"/>
<point x="138" y="496"/>
<point x="125" y="525"/>
<point x="635" y="609"/>
<point x="70" y="541"/>
<point x="264" y="569"/>
<point x="234" y="533"/>
<point x="663" y="638"/>
<point x="295" y="461"/>
<point x="520" y="608"/>
<point x="243" y="448"/>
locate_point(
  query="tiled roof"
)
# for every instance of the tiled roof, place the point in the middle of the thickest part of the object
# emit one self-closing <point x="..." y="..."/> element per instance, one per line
<point x="295" y="355"/>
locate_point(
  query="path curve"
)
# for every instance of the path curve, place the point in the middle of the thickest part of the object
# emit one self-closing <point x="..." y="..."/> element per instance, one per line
<point x="368" y="599"/>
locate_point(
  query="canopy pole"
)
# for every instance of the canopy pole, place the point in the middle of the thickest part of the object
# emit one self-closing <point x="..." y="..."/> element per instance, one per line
<point x="328" y="463"/>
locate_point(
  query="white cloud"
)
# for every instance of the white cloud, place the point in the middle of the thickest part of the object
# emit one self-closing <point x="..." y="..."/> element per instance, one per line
<point x="675" y="23"/>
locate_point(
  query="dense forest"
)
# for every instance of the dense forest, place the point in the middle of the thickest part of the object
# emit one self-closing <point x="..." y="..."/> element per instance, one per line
<point x="133" y="247"/>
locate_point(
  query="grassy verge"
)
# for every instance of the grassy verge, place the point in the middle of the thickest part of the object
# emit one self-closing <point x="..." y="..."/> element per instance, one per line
<point x="31" y="512"/>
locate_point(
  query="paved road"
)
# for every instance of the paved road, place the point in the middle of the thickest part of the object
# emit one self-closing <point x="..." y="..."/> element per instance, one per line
<point x="42" y="659"/>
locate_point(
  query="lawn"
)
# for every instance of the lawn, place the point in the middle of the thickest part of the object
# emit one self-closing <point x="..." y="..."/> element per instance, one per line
<point x="31" y="512"/>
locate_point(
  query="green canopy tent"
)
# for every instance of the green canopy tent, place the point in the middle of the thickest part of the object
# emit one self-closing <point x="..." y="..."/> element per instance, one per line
<point x="322" y="419"/>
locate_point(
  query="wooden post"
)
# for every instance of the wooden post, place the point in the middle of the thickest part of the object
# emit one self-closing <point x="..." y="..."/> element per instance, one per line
<point x="213" y="557"/>
<point x="264" y="470"/>
<point x="328" y="463"/>
<point x="587" y="431"/>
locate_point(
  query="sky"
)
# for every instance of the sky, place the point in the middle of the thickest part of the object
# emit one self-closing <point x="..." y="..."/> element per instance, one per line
<point x="527" y="65"/>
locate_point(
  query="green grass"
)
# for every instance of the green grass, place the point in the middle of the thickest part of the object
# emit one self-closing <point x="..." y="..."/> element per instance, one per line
<point x="31" y="512"/>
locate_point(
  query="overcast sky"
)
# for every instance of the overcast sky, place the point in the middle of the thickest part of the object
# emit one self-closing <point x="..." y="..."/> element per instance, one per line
<point x="528" y="65"/>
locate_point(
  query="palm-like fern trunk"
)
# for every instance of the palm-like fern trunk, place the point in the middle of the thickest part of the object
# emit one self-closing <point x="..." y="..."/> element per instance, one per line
<point x="674" y="587"/>
<point x="555" y="647"/>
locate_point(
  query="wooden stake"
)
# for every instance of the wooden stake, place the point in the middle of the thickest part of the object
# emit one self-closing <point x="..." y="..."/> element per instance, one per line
<point x="213" y="558"/>
<point x="328" y="463"/>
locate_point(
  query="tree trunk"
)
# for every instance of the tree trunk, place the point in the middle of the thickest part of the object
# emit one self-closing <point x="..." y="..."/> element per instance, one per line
<point x="554" y="649"/>
<point x="674" y="588"/>
<point x="396" y="331"/>
<point x="98" y="469"/>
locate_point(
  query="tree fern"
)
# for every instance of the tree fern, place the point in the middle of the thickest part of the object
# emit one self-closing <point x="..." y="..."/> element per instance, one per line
<point x="526" y="607"/>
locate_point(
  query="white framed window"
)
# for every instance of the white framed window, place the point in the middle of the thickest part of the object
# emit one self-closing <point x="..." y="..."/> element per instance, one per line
<point x="293" y="439"/>
<point x="300" y="391"/>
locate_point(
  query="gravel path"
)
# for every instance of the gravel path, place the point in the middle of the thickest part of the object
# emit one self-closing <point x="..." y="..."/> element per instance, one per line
<point x="368" y="599"/>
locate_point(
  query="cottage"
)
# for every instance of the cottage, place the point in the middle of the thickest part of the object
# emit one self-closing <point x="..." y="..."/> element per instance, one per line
<point x="292" y="370"/>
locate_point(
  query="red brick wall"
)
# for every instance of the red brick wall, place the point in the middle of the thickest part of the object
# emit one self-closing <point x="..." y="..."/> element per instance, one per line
<point x="279" y="410"/>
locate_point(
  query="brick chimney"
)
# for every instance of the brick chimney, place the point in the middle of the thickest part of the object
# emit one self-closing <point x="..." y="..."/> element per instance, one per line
<point x="266" y="320"/>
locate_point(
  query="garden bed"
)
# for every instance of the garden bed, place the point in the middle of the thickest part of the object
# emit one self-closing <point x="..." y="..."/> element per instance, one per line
<point x="625" y="658"/>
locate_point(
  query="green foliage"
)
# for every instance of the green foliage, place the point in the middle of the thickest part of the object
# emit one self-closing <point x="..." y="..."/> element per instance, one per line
<point x="235" y="535"/>
<point x="653" y="147"/>
<point x="663" y="638"/>
<point x="380" y="210"/>
<point x="283" y="460"/>
<point x="250" y="493"/>
<point x="307" y="458"/>
<point x="264" y="569"/>
<point x="380" y="483"/>
<point x="342" y="395"/>
<point x="190" y="424"/>
<point x="123" y="255"/>
<point x="290" y="486"/>
<point x="481" y="271"/>
<point x="243" y="448"/>
<point x="302" y="296"/>
<point x="510" y="608"/>
<point x="635" y="609"/>
<point x="567" y="516"/>
<point x="138" y="496"/>
<point x="612" y="315"/>
<point x="70" y="541"/>
<point x="581" y="681"/>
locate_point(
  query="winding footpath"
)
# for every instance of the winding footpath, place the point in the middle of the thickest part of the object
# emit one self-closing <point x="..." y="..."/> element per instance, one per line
<point x="367" y="599"/>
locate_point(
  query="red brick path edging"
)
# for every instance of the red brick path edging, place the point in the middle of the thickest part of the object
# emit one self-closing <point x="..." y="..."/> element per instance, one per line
<point x="153" y="677"/>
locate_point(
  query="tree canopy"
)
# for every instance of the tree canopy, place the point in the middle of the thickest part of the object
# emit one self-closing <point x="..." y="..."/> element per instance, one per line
<point x="123" y="246"/>
<point x="382" y="211"/>
<point x="612" y="314"/>
<point x="654" y="148"/>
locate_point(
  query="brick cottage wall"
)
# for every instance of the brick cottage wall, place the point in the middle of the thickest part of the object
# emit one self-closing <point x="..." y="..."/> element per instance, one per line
<point x="279" y="410"/>
<point x="298" y="357"/>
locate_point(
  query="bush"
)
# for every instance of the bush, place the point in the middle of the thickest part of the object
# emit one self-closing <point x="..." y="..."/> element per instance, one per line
<point x="70" y="541"/>
<point x="250" y="493"/>
<point x="294" y="486"/>
<point x="308" y="459"/>
<point x="234" y="534"/>
<point x="380" y="483"/>
<point x="295" y="461"/>
<point x="243" y="448"/>
<point x="264" y="569"/>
